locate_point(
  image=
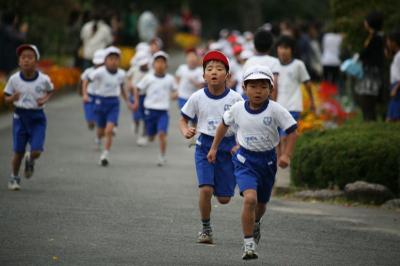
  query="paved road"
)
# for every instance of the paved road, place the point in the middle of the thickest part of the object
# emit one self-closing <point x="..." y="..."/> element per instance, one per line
<point x="74" y="212"/>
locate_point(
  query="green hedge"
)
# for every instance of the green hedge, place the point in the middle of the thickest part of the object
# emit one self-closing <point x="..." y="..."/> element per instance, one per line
<point x="369" y="152"/>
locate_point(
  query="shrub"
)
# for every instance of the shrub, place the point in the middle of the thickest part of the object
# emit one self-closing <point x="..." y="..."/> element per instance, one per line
<point x="369" y="152"/>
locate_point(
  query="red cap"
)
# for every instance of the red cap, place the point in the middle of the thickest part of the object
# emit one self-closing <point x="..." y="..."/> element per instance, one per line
<point x="217" y="56"/>
<point x="237" y="49"/>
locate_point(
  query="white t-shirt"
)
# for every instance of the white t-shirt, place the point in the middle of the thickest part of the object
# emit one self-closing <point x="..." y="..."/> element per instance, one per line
<point x="290" y="79"/>
<point x="264" y="60"/>
<point x="135" y="75"/>
<point x="105" y="83"/>
<point x="209" y="109"/>
<point x="85" y="76"/>
<point x="30" y="90"/>
<point x="395" y="68"/>
<point x="186" y="75"/>
<point x="258" y="130"/>
<point x="93" y="42"/>
<point x="158" y="91"/>
<point x="331" y="49"/>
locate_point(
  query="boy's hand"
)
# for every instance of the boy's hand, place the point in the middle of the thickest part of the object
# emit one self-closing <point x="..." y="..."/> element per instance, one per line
<point x="135" y="106"/>
<point x="190" y="132"/>
<point x="212" y="155"/>
<point x="85" y="98"/>
<point x="234" y="149"/>
<point x="393" y="93"/>
<point x="283" y="161"/>
<point x="15" y="96"/>
<point x="42" y="101"/>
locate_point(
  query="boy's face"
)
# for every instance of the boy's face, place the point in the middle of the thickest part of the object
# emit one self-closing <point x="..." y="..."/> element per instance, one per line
<point x="258" y="90"/>
<point x="192" y="60"/>
<point x="284" y="53"/>
<point x="112" y="62"/>
<point x="215" y="73"/>
<point x="160" y="66"/>
<point x="27" y="60"/>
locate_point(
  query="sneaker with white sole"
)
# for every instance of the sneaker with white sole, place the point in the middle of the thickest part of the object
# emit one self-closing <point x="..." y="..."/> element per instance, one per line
<point x="104" y="159"/>
<point x="249" y="251"/>
<point x="205" y="236"/>
<point x="29" y="165"/>
<point x="142" y="141"/>
<point x="14" y="184"/>
<point x="161" y="160"/>
<point x="257" y="232"/>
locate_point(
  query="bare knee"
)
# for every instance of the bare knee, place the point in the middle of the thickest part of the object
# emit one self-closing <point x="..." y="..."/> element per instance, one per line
<point x="250" y="200"/>
<point x="224" y="200"/>
<point x="35" y="154"/>
<point x="207" y="191"/>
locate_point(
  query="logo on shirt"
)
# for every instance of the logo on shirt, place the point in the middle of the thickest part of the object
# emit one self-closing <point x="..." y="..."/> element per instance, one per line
<point x="227" y="107"/>
<point x="267" y="120"/>
<point x="39" y="89"/>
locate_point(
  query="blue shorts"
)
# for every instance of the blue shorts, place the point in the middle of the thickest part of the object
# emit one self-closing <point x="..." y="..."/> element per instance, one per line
<point x="181" y="102"/>
<point x="394" y="105"/>
<point x="29" y="126"/>
<point x="296" y="116"/>
<point x="89" y="109"/>
<point x="107" y="111"/>
<point x="219" y="175"/>
<point x="139" y="114"/>
<point x="156" y="121"/>
<point x="255" y="170"/>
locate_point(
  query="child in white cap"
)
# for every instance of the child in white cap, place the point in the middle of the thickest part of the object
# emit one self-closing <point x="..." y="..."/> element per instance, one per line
<point x="257" y="120"/>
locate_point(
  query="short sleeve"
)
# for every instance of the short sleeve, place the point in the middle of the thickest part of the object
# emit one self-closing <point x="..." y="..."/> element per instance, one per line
<point x="85" y="74"/>
<point x="93" y="75"/>
<point x="179" y="72"/>
<point x="144" y="83"/>
<point x="229" y="118"/>
<point x="276" y="68"/>
<point x="303" y="73"/>
<point x="48" y="84"/>
<point x="285" y="120"/>
<point x="190" y="109"/>
<point x="9" y="89"/>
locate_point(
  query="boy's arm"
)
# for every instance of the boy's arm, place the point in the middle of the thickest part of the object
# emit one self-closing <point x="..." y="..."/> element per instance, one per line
<point x="219" y="135"/>
<point x="284" y="159"/>
<point x="85" y="96"/>
<point x="186" y="130"/>
<point x="307" y="84"/>
<point x="125" y="97"/>
<point x="44" y="99"/>
<point x="394" y="91"/>
<point x="274" y="93"/>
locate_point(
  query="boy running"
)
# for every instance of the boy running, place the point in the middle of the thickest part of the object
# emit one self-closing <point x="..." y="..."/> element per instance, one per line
<point x="208" y="105"/>
<point x="28" y="90"/>
<point x="257" y="121"/>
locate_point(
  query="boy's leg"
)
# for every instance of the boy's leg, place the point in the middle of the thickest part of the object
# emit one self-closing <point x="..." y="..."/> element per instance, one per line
<point x="162" y="129"/>
<point x="205" y="195"/>
<point x="248" y="221"/>
<point x="249" y="212"/>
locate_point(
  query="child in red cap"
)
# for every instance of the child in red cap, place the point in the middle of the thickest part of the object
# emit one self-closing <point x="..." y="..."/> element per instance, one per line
<point x="28" y="90"/>
<point x="208" y="105"/>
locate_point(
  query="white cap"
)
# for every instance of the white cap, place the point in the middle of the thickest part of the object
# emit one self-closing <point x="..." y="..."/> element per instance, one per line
<point x="98" y="57"/>
<point x="141" y="58"/>
<point x="216" y="46"/>
<point x="143" y="46"/>
<point x="32" y="47"/>
<point x="246" y="54"/>
<point x="258" y="72"/>
<point x="160" y="54"/>
<point x="111" y="50"/>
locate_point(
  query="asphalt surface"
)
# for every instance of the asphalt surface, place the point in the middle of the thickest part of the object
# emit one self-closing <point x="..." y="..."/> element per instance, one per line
<point x="74" y="212"/>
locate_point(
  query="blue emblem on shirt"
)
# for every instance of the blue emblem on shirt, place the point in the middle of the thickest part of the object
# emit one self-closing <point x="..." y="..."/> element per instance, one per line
<point x="227" y="107"/>
<point x="267" y="120"/>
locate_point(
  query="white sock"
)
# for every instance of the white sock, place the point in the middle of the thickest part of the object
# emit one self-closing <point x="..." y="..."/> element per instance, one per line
<point x="249" y="240"/>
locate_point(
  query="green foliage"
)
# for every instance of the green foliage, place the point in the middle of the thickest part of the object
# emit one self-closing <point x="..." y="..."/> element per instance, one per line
<point x="349" y="15"/>
<point x="369" y="152"/>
